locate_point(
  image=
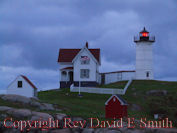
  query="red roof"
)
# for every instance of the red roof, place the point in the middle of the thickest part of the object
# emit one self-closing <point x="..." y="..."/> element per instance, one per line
<point x="122" y="101"/>
<point x="29" y="81"/>
<point x="67" y="55"/>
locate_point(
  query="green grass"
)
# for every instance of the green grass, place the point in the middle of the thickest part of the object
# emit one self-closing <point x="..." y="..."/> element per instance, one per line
<point x="150" y="104"/>
<point x="117" y="85"/>
<point x="93" y="105"/>
<point x="88" y="106"/>
<point x="15" y="105"/>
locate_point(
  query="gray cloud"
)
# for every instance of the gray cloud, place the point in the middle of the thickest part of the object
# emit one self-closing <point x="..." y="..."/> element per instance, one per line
<point x="31" y="33"/>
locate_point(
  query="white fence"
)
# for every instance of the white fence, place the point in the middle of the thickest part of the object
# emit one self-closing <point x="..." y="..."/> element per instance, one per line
<point x="100" y="90"/>
<point x="118" y="76"/>
<point x="127" y="85"/>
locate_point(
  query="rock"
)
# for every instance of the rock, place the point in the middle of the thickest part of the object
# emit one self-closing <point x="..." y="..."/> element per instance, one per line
<point x="16" y="98"/>
<point x="12" y="130"/>
<point x="113" y="131"/>
<point x="101" y="130"/>
<point x="1" y="95"/>
<point x="27" y="102"/>
<point x="35" y="104"/>
<point x="133" y="89"/>
<point x="34" y="98"/>
<point x="67" y="130"/>
<point x="19" y="113"/>
<point x="157" y="92"/>
<point x="77" y="130"/>
<point x="135" y="107"/>
<point x="134" y="94"/>
<point x="77" y="119"/>
<point x="135" y="131"/>
<point x="40" y="116"/>
<point x="166" y="130"/>
<point x="34" y="130"/>
<point x="60" y="116"/>
<point x="46" y="106"/>
<point x="5" y="108"/>
<point x="123" y="130"/>
<point x="58" y="109"/>
<point x="88" y="130"/>
<point x="3" y="116"/>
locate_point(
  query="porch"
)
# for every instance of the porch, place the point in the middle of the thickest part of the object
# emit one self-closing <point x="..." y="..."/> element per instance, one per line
<point x="66" y="77"/>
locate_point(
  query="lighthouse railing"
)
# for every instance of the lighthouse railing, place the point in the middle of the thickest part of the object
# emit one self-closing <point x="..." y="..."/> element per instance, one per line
<point x="152" y="38"/>
<point x="137" y="38"/>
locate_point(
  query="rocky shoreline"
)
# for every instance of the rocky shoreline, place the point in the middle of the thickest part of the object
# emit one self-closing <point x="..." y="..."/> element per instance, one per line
<point x="15" y="120"/>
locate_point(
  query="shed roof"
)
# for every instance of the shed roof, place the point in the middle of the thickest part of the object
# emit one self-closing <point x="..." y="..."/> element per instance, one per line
<point x="32" y="85"/>
<point x="122" y="101"/>
<point x="125" y="102"/>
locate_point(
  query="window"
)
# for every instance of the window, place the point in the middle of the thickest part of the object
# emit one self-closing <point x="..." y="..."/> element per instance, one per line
<point x="85" y="60"/>
<point x="119" y="76"/>
<point x="84" y="73"/>
<point x="63" y="73"/>
<point x="19" y="84"/>
<point x="147" y="74"/>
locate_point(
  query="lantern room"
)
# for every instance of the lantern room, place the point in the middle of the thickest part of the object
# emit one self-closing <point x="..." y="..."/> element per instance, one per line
<point x="144" y="33"/>
<point x="144" y="36"/>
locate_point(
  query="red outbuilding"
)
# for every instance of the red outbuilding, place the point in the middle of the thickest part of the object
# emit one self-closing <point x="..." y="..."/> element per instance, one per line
<point x="115" y="107"/>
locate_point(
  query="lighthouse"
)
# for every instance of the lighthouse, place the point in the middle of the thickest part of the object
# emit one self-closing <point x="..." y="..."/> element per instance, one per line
<point x="144" y="55"/>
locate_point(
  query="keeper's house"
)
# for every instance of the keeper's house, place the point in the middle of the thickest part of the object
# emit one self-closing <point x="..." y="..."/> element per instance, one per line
<point x="82" y="65"/>
<point x="79" y="65"/>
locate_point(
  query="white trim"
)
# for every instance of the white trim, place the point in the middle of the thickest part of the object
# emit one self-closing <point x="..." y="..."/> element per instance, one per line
<point x="66" y="69"/>
<point x="99" y="58"/>
<point x="85" y="48"/>
<point x="28" y="82"/>
<point x="106" y="103"/>
<point x="99" y="90"/>
<point x="64" y="63"/>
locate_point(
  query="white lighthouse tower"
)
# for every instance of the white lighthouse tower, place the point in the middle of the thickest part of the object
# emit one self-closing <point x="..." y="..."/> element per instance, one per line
<point x="144" y="55"/>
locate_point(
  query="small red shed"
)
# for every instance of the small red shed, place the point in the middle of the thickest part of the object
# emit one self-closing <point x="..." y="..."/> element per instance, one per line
<point x="115" y="107"/>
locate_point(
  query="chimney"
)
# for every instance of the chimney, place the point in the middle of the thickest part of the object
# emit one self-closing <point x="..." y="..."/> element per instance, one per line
<point x="86" y="44"/>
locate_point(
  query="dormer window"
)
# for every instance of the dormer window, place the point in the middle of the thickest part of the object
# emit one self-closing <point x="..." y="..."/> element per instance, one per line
<point x="19" y="84"/>
<point x="85" y="60"/>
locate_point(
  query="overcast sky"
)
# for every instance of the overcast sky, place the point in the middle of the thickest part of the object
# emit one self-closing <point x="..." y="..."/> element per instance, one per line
<point x="32" y="31"/>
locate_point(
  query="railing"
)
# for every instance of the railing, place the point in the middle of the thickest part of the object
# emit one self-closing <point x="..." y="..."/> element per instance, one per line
<point x="71" y="87"/>
<point x="98" y="90"/>
<point x="138" y="38"/>
<point x="101" y="90"/>
<point x="127" y="85"/>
